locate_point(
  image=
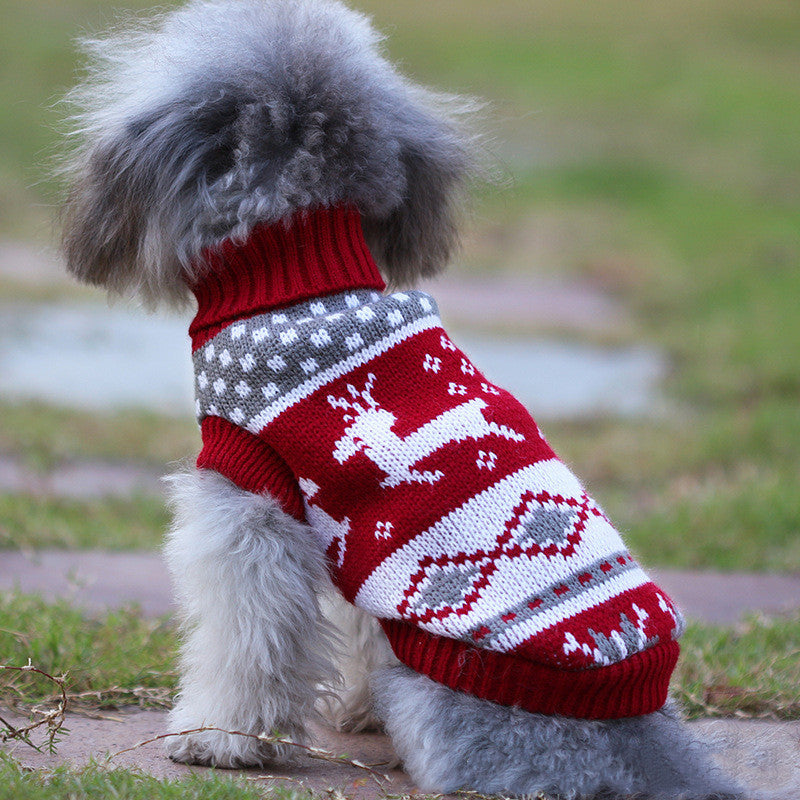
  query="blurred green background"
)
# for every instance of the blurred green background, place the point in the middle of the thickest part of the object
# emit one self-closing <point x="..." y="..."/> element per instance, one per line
<point x="651" y="150"/>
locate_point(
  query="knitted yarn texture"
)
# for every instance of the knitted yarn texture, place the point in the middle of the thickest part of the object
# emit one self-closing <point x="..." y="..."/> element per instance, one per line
<point x="443" y="510"/>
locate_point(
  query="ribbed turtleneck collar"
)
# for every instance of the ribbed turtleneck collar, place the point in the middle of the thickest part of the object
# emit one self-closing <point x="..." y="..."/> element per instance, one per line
<point x="318" y="252"/>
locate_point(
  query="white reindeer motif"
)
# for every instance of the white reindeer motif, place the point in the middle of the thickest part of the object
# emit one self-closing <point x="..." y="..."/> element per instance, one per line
<point x="370" y="431"/>
<point x="329" y="529"/>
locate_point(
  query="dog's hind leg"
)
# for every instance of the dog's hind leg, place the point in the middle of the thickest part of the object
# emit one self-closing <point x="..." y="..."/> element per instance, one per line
<point x="365" y="649"/>
<point x="256" y="649"/>
<point x="449" y="741"/>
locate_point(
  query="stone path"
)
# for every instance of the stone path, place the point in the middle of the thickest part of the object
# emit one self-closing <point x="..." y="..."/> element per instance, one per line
<point x="80" y="479"/>
<point x="86" y="355"/>
<point x="508" y="301"/>
<point x="525" y="303"/>
<point x="94" y="738"/>
<point x="764" y="756"/>
<point x="97" y="580"/>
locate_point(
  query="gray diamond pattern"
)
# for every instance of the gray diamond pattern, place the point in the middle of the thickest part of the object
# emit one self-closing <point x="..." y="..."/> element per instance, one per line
<point x="544" y="525"/>
<point x="447" y="587"/>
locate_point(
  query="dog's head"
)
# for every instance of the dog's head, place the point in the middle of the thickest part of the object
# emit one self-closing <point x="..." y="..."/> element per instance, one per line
<point x="204" y="122"/>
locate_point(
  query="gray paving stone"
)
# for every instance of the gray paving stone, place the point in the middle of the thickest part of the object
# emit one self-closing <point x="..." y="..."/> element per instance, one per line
<point x="79" y="479"/>
<point x="764" y="756"/>
<point x="92" y="579"/>
<point x="97" y="738"/>
<point x="97" y="580"/>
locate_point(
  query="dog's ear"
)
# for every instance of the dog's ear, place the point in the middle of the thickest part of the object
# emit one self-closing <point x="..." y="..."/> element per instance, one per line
<point x="437" y="158"/>
<point x="138" y="190"/>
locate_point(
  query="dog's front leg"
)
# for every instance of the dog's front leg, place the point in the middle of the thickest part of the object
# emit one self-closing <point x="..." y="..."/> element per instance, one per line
<point x="255" y="647"/>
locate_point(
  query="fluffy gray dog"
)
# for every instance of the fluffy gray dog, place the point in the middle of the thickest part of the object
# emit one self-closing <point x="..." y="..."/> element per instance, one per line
<point x="205" y="139"/>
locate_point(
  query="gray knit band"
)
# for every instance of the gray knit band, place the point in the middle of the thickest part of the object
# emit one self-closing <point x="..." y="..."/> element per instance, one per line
<point x="255" y="369"/>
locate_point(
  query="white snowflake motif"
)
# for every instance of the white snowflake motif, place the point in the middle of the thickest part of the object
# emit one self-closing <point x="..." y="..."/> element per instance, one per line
<point x="354" y="342"/>
<point x="383" y="530"/>
<point x="321" y="338"/>
<point x="248" y="362"/>
<point x="431" y="363"/>
<point x="466" y="367"/>
<point x="238" y="330"/>
<point x="447" y="344"/>
<point x="486" y="460"/>
<point x="289" y="336"/>
<point x="395" y="318"/>
<point x="220" y="386"/>
<point x="225" y="358"/>
<point x="456" y="388"/>
<point x="489" y="389"/>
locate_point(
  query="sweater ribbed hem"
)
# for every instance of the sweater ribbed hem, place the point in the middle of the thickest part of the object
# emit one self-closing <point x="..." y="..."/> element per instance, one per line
<point x="638" y="685"/>
<point x="249" y="462"/>
<point x="316" y="253"/>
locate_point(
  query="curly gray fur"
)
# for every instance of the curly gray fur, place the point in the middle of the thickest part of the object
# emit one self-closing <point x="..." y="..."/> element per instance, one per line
<point x="256" y="648"/>
<point x="450" y="741"/>
<point x="203" y="122"/>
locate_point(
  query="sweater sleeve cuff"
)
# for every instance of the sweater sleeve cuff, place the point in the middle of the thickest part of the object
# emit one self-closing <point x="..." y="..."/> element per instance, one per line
<point x="250" y="463"/>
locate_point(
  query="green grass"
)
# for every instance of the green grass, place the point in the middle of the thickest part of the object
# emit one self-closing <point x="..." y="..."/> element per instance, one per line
<point x="121" y="655"/>
<point x="28" y="522"/>
<point x="684" y="497"/>
<point x="37" y="66"/>
<point x="731" y="523"/>
<point x="45" y="435"/>
<point x="98" y="783"/>
<point x="753" y="669"/>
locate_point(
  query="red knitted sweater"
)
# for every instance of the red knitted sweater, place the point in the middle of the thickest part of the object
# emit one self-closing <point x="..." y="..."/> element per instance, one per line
<point x="443" y="510"/>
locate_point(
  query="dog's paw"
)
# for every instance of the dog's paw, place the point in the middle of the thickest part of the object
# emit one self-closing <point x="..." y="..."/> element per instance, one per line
<point x="226" y="750"/>
<point x="361" y="720"/>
